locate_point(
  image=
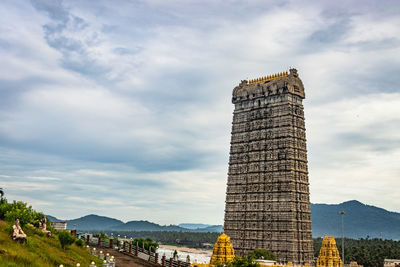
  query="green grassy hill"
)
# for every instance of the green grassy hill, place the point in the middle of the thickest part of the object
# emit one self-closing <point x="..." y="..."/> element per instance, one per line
<point x="39" y="250"/>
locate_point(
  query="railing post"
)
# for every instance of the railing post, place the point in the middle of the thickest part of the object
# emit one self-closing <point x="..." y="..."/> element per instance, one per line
<point x="119" y="244"/>
<point x="111" y="243"/>
<point x="171" y="260"/>
<point x="99" y="242"/>
<point x="124" y="246"/>
<point x="130" y="248"/>
<point x="87" y="239"/>
<point x="163" y="260"/>
<point x="179" y="263"/>
<point x="136" y="250"/>
<point x="149" y="252"/>
<point x="156" y="258"/>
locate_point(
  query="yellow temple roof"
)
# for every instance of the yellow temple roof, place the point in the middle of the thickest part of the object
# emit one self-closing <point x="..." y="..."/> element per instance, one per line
<point x="269" y="78"/>
<point x="223" y="250"/>
<point x="329" y="254"/>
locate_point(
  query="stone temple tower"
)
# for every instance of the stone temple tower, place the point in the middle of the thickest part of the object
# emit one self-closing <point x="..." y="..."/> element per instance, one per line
<point x="267" y="197"/>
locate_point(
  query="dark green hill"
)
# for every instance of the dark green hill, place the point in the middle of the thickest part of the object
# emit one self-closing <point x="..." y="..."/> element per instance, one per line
<point x="52" y="219"/>
<point x="93" y="222"/>
<point x="360" y="221"/>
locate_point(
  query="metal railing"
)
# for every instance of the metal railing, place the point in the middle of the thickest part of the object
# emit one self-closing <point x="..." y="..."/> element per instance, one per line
<point x="135" y="251"/>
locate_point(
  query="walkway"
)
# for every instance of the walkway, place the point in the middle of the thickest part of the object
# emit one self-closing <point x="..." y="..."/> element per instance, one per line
<point x="124" y="260"/>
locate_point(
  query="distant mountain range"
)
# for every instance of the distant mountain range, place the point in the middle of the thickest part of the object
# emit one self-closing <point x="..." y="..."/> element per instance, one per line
<point x="360" y="221"/>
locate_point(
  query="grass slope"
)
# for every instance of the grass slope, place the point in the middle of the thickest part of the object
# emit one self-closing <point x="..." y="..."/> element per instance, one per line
<point x="39" y="250"/>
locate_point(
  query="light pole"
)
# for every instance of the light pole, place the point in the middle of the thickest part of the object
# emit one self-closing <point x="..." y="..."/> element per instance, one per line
<point x="342" y="213"/>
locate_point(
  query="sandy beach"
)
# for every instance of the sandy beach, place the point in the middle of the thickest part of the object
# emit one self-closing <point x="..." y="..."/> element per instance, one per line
<point x="187" y="250"/>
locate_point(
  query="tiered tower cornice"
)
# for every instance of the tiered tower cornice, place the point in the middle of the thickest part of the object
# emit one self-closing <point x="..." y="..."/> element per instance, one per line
<point x="269" y="85"/>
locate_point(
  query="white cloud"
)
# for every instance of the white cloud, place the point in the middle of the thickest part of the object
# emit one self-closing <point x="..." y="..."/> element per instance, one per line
<point x="355" y="149"/>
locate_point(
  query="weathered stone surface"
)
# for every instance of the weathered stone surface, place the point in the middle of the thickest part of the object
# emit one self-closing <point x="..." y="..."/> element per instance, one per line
<point x="267" y="198"/>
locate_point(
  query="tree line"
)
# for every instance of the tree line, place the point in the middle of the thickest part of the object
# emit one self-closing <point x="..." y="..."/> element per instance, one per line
<point x="365" y="251"/>
<point x="188" y="239"/>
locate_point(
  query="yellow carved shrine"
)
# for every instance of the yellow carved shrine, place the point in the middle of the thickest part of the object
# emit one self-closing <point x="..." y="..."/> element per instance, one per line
<point x="329" y="254"/>
<point x="223" y="250"/>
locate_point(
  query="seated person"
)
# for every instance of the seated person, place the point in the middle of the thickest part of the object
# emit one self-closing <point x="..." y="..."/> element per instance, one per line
<point x="18" y="234"/>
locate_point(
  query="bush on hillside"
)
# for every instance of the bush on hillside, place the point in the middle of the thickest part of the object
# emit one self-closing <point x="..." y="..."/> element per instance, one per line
<point x="65" y="238"/>
<point x="79" y="242"/>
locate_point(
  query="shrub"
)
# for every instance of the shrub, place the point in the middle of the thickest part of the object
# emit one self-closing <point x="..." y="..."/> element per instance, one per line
<point x="262" y="254"/>
<point x="243" y="262"/>
<point x="79" y="243"/>
<point x="65" y="238"/>
<point x="146" y="243"/>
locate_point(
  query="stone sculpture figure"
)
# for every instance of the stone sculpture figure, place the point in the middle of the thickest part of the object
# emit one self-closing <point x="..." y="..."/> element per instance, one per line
<point x="267" y="197"/>
<point x="43" y="226"/>
<point x="18" y="233"/>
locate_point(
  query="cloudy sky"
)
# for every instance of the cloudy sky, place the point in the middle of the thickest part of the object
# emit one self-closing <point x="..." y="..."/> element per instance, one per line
<point x="122" y="108"/>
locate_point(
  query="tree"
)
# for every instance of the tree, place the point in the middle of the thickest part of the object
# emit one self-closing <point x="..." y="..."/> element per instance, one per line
<point x="2" y="200"/>
<point x="66" y="239"/>
<point x="19" y="210"/>
<point x="264" y="254"/>
<point x="147" y="243"/>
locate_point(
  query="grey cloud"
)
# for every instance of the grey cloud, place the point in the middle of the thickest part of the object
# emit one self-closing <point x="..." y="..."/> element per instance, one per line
<point x="366" y="141"/>
<point x="54" y="8"/>
<point x="76" y="56"/>
<point x="330" y="34"/>
<point x="122" y="50"/>
<point x="11" y="90"/>
<point x="140" y="156"/>
<point x="376" y="45"/>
